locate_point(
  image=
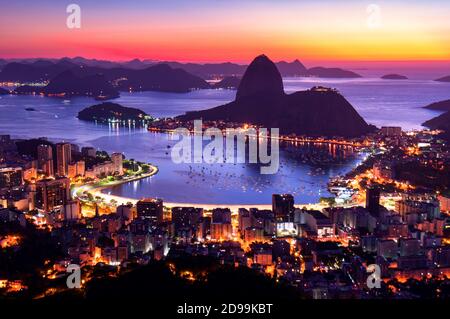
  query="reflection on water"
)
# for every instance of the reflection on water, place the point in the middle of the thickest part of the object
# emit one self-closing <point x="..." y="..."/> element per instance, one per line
<point x="304" y="171"/>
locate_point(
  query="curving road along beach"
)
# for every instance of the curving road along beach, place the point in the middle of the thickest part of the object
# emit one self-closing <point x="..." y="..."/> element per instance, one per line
<point x="97" y="190"/>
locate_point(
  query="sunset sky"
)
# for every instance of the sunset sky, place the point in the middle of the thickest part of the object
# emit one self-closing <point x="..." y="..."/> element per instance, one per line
<point x="228" y="30"/>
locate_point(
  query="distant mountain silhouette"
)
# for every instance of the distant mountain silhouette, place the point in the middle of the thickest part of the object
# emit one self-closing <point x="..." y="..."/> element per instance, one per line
<point x="38" y="70"/>
<point x="322" y="72"/>
<point x="107" y="111"/>
<point x="72" y="85"/>
<point x="394" y="77"/>
<point x="444" y="79"/>
<point x="261" y="100"/>
<point x="294" y="68"/>
<point x="209" y="70"/>
<point x="229" y="82"/>
<point x="440" y="106"/>
<point x="135" y="64"/>
<point x="287" y="69"/>
<point x="68" y="84"/>
<point x="160" y="77"/>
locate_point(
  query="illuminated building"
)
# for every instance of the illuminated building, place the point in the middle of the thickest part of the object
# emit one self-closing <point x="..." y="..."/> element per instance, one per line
<point x="262" y="254"/>
<point x="117" y="160"/>
<point x="369" y="243"/>
<point x="140" y="242"/>
<point x="412" y="262"/>
<point x="185" y="217"/>
<point x="281" y="248"/>
<point x="11" y="177"/>
<point x="81" y="168"/>
<point x="204" y="227"/>
<point x="63" y="158"/>
<point x="283" y="207"/>
<point x="391" y="131"/>
<point x="159" y="241"/>
<point x="383" y="170"/>
<point x="318" y="223"/>
<point x="221" y="231"/>
<point x="221" y="215"/>
<point x="72" y="170"/>
<point x="444" y="201"/>
<point x="442" y="256"/>
<point x="150" y="208"/>
<point x="409" y="247"/>
<point x="128" y="212"/>
<point x="72" y="210"/>
<point x="356" y="218"/>
<point x="7" y="147"/>
<point x="76" y="169"/>
<point x="373" y="200"/>
<point x="254" y="234"/>
<point x="52" y="193"/>
<point x="430" y="208"/>
<point x="286" y="229"/>
<point x="122" y="253"/>
<point x="320" y="293"/>
<point x="397" y="230"/>
<point x="88" y="151"/>
<point x="45" y="159"/>
<point x="244" y="219"/>
<point x="263" y="218"/>
<point x="30" y="174"/>
<point x="387" y="249"/>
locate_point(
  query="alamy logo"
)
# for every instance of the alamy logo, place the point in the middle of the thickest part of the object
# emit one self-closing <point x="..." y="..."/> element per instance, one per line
<point x="74" y="279"/>
<point x="374" y="18"/>
<point x="227" y="147"/>
<point x="74" y="19"/>
<point x="374" y="279"/>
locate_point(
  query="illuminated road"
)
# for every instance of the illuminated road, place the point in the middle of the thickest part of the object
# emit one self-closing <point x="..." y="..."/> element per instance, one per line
<point x="97" y="191"/>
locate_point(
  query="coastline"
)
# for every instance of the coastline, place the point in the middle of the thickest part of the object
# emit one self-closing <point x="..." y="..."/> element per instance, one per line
<point x="97" y="190"/>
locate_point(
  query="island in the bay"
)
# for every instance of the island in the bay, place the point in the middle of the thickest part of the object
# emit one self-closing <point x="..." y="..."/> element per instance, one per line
<point x="108" y="112"/>
<point x="394" y="76"/>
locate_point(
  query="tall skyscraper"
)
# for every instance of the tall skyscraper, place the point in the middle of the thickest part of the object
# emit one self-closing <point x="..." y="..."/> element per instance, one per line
<point x="44" y="153"/>
<point x="283" y="207"/>
<point x="183" y="217"/>
<point x="81" y="168"/>
<point x="45" y="159"/>
<point x="117" y="160"/>
<point x="221" y="215"/>
<point x="52" y="193"/>
<point x="11" y="177"/>
<point x="150" y="208"/>
<point x="373" y="200"/>
<point x="63" y="158"/>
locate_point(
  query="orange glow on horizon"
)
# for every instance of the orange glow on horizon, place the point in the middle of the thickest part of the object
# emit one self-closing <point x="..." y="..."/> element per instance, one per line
<point x="218" y="32"/>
